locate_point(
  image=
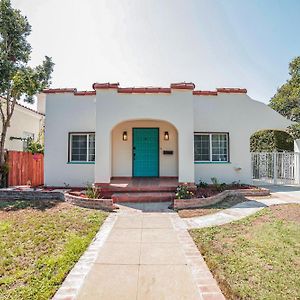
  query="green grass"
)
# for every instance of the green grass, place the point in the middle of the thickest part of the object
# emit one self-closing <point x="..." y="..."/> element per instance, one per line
<point x="257" y="257"/>
<point x="40" y="243"/>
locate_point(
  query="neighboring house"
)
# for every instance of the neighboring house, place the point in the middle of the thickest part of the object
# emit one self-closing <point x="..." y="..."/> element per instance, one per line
<point x="92" y="136"/>
<point x="25" y="123"/>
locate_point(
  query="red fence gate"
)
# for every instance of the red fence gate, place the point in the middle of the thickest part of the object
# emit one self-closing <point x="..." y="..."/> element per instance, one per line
<point x="25" y="168"/>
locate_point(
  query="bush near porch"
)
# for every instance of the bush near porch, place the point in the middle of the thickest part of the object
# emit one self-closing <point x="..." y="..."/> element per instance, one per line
<point x="40" y="243"/>
<point x="257" y="257"/>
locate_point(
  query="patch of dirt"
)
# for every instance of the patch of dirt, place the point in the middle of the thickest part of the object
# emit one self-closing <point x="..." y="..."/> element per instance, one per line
<point x="19" y="208"/>
<point x="290" y="212"/>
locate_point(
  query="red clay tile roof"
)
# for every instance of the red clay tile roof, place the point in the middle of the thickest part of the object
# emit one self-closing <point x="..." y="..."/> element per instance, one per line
<point x="105" y="85"/>
<point x="143" y="90"/>
<point x="205" y="93"/>
<point x="58" y="91"/>
<point x="232" y="90"/>
<point x="183" y="85"/>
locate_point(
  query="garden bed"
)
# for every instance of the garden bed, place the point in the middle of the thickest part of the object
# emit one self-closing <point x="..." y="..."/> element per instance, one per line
<point x="257" y="257"/>
<point x="218" y="196"/>
<point x="40" y="243"/>
<point x="83" y="201"/>
<point x="210" y="209"/>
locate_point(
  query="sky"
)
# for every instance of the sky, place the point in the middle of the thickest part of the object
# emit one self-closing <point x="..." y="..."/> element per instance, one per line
<point x="213" y="43"/>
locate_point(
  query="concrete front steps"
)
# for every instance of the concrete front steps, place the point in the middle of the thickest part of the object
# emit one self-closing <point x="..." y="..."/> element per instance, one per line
<point x="138" y="197"/>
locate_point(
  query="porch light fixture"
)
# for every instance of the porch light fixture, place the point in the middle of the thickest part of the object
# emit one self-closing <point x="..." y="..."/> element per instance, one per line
<point x="166" y="136"/>
<point x="125" y="136"/>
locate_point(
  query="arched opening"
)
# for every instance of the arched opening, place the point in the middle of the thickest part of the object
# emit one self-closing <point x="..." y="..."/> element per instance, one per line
<point x="144" y="148"/>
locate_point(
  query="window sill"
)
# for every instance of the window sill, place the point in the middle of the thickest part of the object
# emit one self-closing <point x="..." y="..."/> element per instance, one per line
<point x="81" y="163"/>
<point x="211" y="162"/>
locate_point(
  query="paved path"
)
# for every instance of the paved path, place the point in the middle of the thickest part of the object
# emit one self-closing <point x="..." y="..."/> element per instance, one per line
<point x="281" y="195"/>
<point x="141" y="255"/>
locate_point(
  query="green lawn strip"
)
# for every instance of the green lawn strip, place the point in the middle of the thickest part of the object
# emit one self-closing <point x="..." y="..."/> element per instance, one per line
<point x="255" y="258"/>
<point x="39" y="247"/>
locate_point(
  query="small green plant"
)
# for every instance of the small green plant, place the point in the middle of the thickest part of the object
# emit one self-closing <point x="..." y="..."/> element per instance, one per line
<point x="202" y="184"/>
<point x="34" y="147"/>
<point x="92" y="192"/>
<point x="236" y="184"/>
<point x="66" y="185"/>
<point x="218" y="186"/>
<point x="182" y="192"/>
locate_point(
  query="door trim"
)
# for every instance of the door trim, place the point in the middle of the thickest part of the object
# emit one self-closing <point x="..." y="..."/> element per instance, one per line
<point x="158" y="161"/>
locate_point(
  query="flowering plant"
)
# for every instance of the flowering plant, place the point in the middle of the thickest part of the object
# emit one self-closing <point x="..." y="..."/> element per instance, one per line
<point x="182" y="192"/>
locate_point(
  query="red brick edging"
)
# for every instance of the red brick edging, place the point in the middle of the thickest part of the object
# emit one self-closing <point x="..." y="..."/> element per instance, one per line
<point x="202" y="202"/>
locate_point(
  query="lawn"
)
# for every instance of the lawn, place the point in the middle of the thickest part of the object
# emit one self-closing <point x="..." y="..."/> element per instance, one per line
<point x="40" y="243"/>
<point x="257" y="257"/>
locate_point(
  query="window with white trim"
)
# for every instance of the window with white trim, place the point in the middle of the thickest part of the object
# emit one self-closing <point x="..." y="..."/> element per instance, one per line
<point x="82" y="147"/>
<point x="211" y="147"/>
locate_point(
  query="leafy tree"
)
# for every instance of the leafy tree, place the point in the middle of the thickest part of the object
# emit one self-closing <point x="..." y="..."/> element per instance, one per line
<point x="286" y="101"/>
<point x="17" y="79"/>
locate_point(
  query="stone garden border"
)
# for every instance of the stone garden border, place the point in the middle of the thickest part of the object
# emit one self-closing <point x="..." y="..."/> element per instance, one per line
<point x="202" y="202"/>
<point x="105" y="204"/>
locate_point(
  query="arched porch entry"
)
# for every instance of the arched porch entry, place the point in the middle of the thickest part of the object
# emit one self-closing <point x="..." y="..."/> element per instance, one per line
<point x="144" y="148"/>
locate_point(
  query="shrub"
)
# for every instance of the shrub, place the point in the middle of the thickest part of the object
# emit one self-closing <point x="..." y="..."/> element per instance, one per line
<point x="218" y="186"/>
<point x="92" y="192"/>
<point x="182" y="192"/>
<point x="202" y="184"/>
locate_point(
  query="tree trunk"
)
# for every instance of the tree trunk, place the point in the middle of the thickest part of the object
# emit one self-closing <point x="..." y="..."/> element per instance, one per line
<point x="2" y="151"/>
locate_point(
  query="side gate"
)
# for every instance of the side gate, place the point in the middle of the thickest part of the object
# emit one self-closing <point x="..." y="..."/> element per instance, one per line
<point x="275" y="167"/>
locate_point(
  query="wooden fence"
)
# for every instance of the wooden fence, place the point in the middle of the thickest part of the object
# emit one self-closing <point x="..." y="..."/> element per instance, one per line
<point x="25" y="168"/>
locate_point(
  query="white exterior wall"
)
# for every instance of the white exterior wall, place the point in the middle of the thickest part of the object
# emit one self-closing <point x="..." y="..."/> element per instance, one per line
<point x="240" y="116"/>
<point x="122" y="150"/>
<point x="109" y="113"/>
<point x="67" y="113"/>
<point x="113" y="108"/>
<point x="23" y="120"/>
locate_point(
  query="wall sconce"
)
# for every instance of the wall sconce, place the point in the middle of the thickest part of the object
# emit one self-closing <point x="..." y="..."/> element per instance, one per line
<point x="125" y="136"/>
<point x="166" y="136"/>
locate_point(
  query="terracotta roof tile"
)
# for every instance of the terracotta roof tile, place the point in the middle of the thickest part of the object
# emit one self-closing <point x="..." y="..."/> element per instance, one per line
<point x="183" y="85"/>
<point x="232" y="90"/>
<point x="144" y="90"/>
<point x="85" y="93"/>
<point x="58" y="91"/>
<point x="205" y="93"/>
<point x="105" y="85"/>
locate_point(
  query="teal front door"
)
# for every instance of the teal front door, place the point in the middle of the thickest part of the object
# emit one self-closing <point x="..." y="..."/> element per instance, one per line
<point x="145" y="152"/>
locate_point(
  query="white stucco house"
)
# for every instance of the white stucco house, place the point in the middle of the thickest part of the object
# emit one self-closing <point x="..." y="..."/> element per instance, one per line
<point x="172" y="132"/>
<point x="25" y="123"/>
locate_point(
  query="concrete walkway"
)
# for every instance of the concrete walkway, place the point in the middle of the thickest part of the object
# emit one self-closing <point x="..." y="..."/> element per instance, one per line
<point x="145" y="255"/>
<point x="245" y="209"/>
